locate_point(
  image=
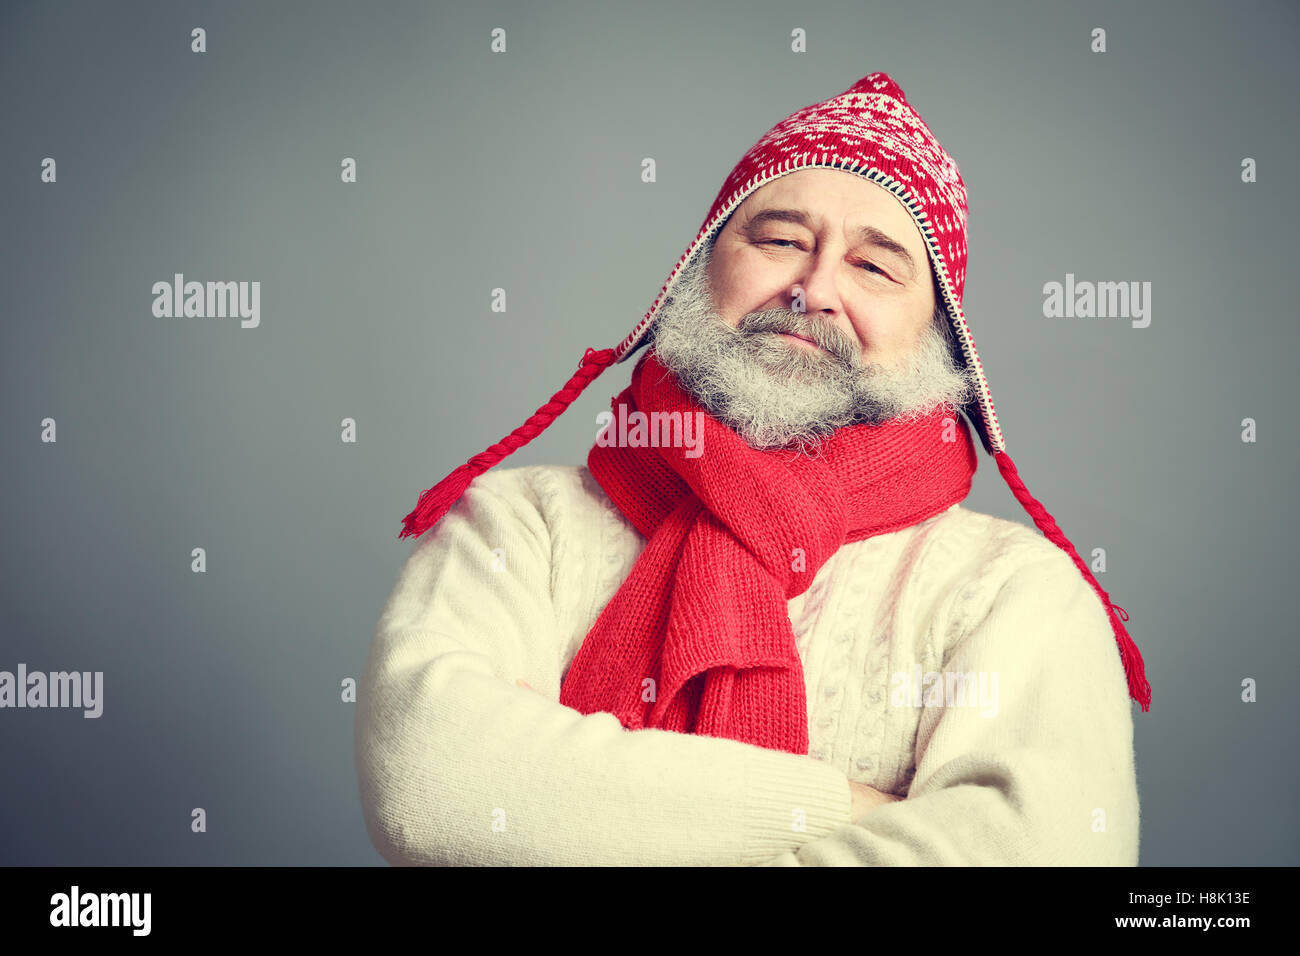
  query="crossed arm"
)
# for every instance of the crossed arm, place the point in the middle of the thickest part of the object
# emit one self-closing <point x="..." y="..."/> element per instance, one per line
<point x="864" y="799"/>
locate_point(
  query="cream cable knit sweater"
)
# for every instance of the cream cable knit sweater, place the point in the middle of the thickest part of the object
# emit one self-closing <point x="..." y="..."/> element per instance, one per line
<point x="1019" y="750"/>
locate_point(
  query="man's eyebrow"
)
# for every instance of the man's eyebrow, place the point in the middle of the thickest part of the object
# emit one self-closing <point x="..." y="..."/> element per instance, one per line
<point x="868" y="235"/>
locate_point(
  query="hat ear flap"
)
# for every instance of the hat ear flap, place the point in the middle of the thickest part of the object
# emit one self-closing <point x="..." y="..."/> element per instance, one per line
<point x="976" y="416"/>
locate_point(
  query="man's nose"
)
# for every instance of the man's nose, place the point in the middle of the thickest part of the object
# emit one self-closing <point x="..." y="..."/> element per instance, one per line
<point x="814" y="291"/>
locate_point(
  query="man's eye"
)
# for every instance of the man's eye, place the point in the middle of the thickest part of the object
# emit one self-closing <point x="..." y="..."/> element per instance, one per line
<point x="790" y="243"/>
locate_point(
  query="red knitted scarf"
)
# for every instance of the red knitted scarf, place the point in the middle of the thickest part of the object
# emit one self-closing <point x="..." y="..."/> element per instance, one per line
<point x="698" y="637"/>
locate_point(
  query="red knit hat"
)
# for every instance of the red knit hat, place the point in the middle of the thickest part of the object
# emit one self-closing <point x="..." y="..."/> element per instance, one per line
<point x="869" y="130"/>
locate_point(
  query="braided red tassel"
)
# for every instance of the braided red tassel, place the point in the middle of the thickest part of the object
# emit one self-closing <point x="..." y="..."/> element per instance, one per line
<point x="1134" y="667"/>
<point x="437" y="501"/>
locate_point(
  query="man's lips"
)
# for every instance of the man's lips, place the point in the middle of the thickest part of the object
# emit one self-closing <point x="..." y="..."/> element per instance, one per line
<point x="803" y="340"/>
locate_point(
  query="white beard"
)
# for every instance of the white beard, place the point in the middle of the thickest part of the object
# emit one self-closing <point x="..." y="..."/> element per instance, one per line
<point x="778" y="395"/>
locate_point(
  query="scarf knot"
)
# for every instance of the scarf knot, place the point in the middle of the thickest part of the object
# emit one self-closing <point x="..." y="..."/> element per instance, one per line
<point x="698" y="637"/>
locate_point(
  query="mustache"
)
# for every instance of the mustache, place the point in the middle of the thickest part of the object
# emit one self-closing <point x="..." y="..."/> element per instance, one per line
<point x="830" y="338"/>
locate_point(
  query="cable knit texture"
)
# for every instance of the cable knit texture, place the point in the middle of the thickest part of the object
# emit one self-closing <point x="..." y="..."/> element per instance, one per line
<point x="459" y="765"/>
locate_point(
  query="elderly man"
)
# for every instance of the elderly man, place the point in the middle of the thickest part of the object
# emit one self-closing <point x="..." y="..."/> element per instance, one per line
<point x="759" y="628"/>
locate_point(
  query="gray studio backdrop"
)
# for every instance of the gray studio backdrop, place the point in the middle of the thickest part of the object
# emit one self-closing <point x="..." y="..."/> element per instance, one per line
<point x="522" y="170"/>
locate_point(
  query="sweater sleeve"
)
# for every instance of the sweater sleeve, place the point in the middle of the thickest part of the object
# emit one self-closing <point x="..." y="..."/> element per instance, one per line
<point x="1044" y="776"/>
<point x="458" y="765"/>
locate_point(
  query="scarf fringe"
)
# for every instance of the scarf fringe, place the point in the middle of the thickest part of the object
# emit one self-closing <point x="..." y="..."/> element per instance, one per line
<point x="1134" y="668"/>
<point x="437" y="501"/>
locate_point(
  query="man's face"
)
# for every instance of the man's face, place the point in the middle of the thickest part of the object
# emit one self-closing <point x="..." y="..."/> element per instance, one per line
<point x="847" y="242"/>
<point x="879" y="350"/>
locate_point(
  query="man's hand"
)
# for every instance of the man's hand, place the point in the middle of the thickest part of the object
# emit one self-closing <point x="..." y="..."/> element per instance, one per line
<point x="866" y="799"/>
